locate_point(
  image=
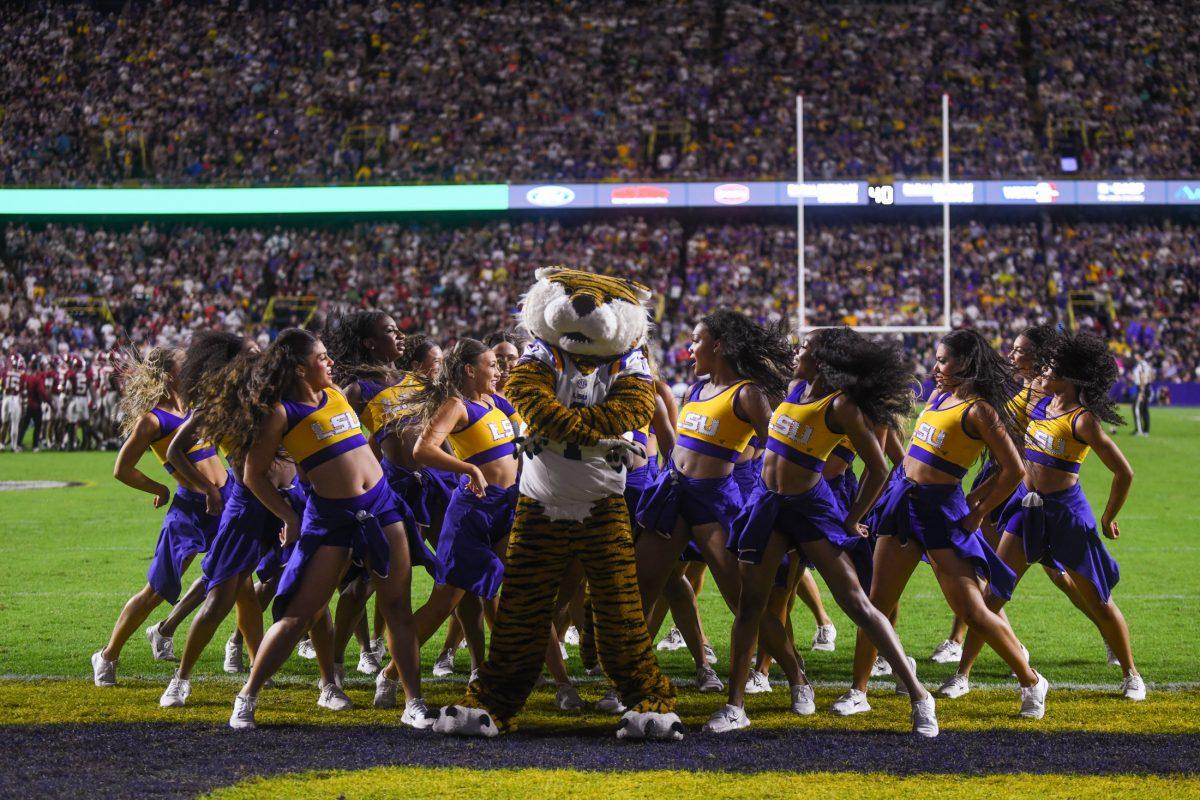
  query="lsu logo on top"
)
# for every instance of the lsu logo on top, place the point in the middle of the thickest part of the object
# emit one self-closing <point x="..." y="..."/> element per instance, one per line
<point x="791" y="429"/>
<point x="338" y="424"/>
<point x="930" y="435"/>
<point x="699" y="423"/>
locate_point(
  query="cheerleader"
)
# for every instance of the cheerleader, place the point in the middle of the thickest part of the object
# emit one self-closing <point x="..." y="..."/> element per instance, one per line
<point x="352" y="514"/>
<point x="153" y="411"/>
<point x="924" y="513"/>
<point x="1048" y="519"/>
<point x="365" y="347"/>
<point x="695" y="499"/>
<point x="844" y="386"/>
<point x="463" y="409"/>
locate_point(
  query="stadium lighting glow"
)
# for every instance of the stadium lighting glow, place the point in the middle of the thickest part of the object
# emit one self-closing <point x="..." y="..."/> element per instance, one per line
<point x="296" y="200"/>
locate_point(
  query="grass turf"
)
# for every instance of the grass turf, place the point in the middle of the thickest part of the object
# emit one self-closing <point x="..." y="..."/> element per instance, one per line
<point x="439" y="783"/>
<point x="69" y="558"/>
<point x="294" y="703"/>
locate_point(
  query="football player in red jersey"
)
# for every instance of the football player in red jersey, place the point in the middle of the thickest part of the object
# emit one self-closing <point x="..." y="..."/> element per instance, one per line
<point x="78" y="425"/>
<point x="11" y="405"/>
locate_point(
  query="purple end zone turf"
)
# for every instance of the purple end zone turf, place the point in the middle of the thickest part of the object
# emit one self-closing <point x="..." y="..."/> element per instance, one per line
<point x="155" y="760"/>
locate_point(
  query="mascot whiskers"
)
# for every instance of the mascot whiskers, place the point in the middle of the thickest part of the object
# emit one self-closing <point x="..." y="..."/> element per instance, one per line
<point x="582" y="383"/>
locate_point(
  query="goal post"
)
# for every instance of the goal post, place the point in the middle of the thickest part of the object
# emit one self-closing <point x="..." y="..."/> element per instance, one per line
<point x="802" y="311"/>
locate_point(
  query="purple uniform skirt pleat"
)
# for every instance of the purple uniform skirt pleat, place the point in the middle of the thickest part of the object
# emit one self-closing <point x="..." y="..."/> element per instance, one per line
<point x="187" y="531"/>
<point x="697" y="501"/>
<point x="928" y="514"/>
<point x="467" y="543"/>
<point x="1063" y="534"/>
<point x="247" y="535"/>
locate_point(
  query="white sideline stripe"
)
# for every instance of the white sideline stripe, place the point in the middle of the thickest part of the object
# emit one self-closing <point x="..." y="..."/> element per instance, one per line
<point x="356" y="680"/>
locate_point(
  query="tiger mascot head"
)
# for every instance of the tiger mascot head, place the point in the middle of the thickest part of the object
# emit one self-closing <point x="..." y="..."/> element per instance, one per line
<point x="584" y="314"/>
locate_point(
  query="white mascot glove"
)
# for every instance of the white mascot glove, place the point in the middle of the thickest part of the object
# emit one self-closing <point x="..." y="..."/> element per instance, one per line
<point x="621" y="452"/>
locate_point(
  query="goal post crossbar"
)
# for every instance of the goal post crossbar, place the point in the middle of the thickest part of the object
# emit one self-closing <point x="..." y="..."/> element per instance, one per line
<point x="802" y="311"/>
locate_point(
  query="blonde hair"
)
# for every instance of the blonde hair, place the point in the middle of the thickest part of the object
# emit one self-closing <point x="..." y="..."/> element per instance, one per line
<point x="144" y="383"/>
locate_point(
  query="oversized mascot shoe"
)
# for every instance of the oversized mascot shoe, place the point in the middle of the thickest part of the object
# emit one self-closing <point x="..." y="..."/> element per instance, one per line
<point x="463" y="721"/>
<point x="639" y="725"/>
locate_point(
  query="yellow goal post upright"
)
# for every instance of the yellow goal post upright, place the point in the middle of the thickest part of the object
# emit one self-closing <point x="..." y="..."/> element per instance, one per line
<point x="944" y="190"/>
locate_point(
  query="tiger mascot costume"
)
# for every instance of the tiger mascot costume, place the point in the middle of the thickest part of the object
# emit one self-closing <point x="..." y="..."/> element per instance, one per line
<point x="582" y="383"/>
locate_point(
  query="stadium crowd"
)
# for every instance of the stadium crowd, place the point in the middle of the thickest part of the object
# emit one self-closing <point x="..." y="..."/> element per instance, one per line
<point x="85" y="290"/>
<point x="262" y="93"/>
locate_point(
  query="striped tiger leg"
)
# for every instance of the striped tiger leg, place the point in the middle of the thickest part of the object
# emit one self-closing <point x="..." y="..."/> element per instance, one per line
<point x="605" y="546"/>
<point x="537" y="557"/>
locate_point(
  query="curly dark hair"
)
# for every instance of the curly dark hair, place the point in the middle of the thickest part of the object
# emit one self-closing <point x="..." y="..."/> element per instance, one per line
<point x="1085" y="360"/>
<point x="233" y="416"/>
<point x="208" y="353"/>
<point x="986" y="375"/>
<point x="1043" y="337"/>
<point x="878" y="377"/>
<point x="758" y="353"/>
<point x="416" y="347"/>
<point x="496" y="337"/>
<point x="344" y="335"/>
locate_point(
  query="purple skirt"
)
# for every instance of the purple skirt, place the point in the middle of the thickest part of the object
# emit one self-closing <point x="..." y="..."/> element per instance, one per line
<point x="807" y="517"/>
<point x="356" y="523"/>
<point x="746" y="476"/>
<point x="467" y="544"/>
<point x="845" y="488"/>
<point x="928" y="514"/>
<point x="697" y="501"/>
<point x="1063" y="534"/>
<point x="273" y="561"/>
<point x="636" y="484"/>
<point x="187" y="530"/>
<point x="248" y="535"/>
<point x="437" y="486"/>
<point x="408" y="486"/>
<point x="990" y="468"/>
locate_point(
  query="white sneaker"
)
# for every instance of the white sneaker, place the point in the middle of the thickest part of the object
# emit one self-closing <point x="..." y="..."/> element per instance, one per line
<point x="852" y="702"/>
<point x="474" y="676"/>
<point x="1113" y="661"/>
<point x="567" y="699"/>
<point x="161" y="647"/>
<point x="444" y="665"/>
<point x="242" y="718"/>
<point x="368" y="662"/>
<point x="611" y="703"/>
<point x="954" y="687"/>
<point x="758" y="683"/>
<point x="417" y="715"/>
<point x="1033" y="698"/>
<point x="1024" y="654"/>
<point x="571" y="637"/>
<point x="333" y="698"/>
<point x="596" y="670"/>
<point x="672" y="641"/>
<point x="729" y="718"/>
<point x="385" y="691"/>
<point x="379" y="646"/>
<point x="924" y="718"/>
<point x="177" y="693"/>
<point x="305" y="649"/>
<point x="880" y="667"/>
<point x="948" y="652"/>
<point x="901" y="689"/>
<point x="234" y="663"/>
<point x="104" y="672"/>
<point x="824" y="639"/>
<point x="562" y="648"/>
<point x="803" y="700"/>
<point x="710" y="655"/>
<point x="707" y="679"/>
<point x="1133" y="687"/>
<point x="462" y="644"/>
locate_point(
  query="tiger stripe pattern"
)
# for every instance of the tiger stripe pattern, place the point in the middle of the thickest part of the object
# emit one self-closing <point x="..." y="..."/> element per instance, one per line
<point x="538" y="553"/>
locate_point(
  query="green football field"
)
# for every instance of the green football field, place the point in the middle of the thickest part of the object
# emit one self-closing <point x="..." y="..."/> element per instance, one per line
<point x="70" y="557"/>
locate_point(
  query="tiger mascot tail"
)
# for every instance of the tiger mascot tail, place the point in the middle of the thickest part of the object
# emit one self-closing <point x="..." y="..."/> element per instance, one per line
<point x="580" y="385"/>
